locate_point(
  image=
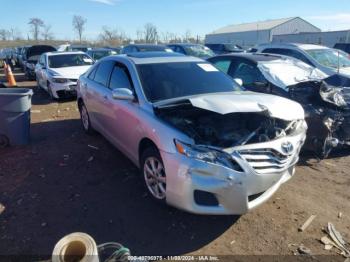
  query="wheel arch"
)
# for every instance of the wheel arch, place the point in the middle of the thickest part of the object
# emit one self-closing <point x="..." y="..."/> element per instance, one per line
<point x="143" y="145"/>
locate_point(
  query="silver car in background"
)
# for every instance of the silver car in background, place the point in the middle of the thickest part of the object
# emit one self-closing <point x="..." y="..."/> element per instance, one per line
<point x="203" y="144"/>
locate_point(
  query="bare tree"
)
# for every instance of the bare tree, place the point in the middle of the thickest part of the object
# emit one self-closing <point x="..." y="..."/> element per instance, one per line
<point x="36" y="24"/>
<point x="151" y="33"/>
<point x="166" y="37"/>
<point x="139" y="35"/>
<point x="187" y="36"/>
<point x="112" y="36"/>
<point x="4" y="34"/>
<point x="15" y="34"/>
<point x="79" y="25"/>
<point x="47" y="33"/>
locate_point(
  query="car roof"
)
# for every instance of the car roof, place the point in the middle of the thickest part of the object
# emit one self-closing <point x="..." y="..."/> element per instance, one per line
<point x="145" y="45"/>
<point x="100" y="49"/>
<point x="299" y="45"/>
<point x="184" y="44"/>
<point x="64" y="53"/>
<point x="158" y="57"/>
<point x="255" y="57"/>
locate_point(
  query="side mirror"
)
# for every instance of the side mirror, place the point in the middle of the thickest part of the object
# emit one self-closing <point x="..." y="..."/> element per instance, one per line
<point x="123" y="94"/>
<point x="239" y="81"/>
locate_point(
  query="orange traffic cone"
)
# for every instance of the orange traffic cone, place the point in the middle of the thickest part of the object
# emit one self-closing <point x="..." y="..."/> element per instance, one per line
<point x="10" y="78"/>
<point x="5" y="69"/>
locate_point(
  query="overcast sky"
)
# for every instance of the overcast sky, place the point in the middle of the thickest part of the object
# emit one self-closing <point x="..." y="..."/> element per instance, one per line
<point x="177" y="16"/>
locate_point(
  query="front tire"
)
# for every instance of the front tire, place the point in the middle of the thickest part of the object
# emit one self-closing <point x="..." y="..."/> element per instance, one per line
<point x="154" y="173"/>
<point x="85" y="119"/>
<point x="49" y="90"/>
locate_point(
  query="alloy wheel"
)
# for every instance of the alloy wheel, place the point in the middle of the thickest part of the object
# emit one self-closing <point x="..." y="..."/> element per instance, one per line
<point x="155" y="178"/>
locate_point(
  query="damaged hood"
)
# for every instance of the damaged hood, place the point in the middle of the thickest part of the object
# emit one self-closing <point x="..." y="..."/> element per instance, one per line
<point x="345" y="71"/>
<point x="73" y="72"/>
<point x="245" y="102"/>
<point x="287" y="72"/>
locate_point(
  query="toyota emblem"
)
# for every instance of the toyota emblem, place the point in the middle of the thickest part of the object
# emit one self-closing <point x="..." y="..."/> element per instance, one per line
<point x="287" y="147"/>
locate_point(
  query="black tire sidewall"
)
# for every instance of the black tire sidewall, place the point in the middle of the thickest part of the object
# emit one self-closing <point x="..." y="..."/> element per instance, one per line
<point x="89" y="130"/>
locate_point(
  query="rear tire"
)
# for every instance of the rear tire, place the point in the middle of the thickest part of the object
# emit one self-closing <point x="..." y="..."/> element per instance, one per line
<point x="4" y="141"/>
<point x="85" y="119"/>
<point x="153" y="171"/>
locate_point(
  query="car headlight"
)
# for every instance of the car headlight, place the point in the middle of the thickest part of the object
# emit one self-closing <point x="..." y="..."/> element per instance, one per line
<point x="333" y="96"/>
<point x="205" y="154"/>
<point x="60" y="80"/>
<point x="339" y="99"/>
<point x="30" y="66"/>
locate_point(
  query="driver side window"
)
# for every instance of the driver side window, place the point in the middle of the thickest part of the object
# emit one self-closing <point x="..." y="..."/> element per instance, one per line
<point x="120" y="78"/>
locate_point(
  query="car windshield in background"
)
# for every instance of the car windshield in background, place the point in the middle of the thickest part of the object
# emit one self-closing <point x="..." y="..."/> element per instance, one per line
<point x="68" y="60"/>
<point x="330" y="58"/>
<point x="199" y="51"/>
<point x="232" y="47"/>
<point x="172" y="80"/>
<point x="101" y="54"/>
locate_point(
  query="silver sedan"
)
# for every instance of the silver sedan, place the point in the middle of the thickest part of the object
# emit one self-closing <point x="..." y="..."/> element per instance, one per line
<point x="203" y="144"/>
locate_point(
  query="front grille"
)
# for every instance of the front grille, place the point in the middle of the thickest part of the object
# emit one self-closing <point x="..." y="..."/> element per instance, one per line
<point x="73" y="80"/>
<point x="266" y="160"/>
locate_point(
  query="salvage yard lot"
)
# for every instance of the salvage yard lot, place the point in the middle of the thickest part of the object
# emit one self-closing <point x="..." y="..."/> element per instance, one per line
<point x="66" y="181"/>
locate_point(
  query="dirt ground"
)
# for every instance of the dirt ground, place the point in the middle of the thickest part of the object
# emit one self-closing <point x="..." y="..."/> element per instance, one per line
<point x="58" y="185"/>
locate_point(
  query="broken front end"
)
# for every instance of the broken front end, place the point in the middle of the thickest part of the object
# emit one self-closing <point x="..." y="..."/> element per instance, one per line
<point x="327" y="112"/>
<point x="237" y="160"/>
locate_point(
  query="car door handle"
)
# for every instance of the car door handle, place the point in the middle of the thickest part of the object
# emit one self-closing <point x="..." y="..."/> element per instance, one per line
<point x="105" y="97"/>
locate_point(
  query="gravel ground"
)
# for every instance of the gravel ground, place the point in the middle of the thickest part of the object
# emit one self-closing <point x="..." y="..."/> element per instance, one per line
<point x="58" y="185"/>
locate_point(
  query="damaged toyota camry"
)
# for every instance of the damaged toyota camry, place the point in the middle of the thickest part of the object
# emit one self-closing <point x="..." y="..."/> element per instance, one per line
<point x="203" y="144"/>
<point x="325" y="99"/>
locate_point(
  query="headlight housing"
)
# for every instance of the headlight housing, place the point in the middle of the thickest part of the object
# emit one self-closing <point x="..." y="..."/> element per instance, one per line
<point x="59" y="80"/>
<point x="206" y="154"/>
<point x="31" y="66"/>
<point x="333" y="96"/>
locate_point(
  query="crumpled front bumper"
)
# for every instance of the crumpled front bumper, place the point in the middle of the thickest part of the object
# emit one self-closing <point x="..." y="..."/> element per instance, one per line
<point x="235" y="192"/>
<point x="60" y="90"/>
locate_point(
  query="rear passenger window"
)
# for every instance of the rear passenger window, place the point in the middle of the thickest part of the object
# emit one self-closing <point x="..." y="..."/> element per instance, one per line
<point x="120" y="78"/>
<point x="223" y="65"/>
<point x="104" y="72"/>
<point x="92" y="74"/>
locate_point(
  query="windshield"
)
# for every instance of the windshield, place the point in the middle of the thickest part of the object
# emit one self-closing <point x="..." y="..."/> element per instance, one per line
<point x="199" y="51"/>
<point x="101" y="54"/>
<point x="330" y="57"/>
<point x="68" y="60"/>
<point x="172" y="80"/>
<point x="287" y="72"/>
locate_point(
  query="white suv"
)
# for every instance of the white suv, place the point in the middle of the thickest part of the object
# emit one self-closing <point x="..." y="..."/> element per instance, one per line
<point x="58" y="72"/>
<point x="328" y="60"/>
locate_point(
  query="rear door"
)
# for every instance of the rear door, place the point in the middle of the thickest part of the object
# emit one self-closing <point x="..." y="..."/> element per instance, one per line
<point x="97" y="93"/>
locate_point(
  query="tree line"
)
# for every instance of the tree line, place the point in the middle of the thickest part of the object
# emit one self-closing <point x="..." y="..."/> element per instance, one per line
<point x="149" y="33"/>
